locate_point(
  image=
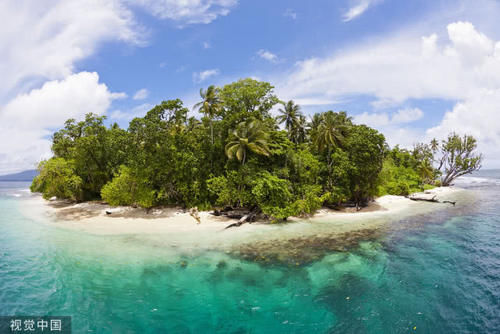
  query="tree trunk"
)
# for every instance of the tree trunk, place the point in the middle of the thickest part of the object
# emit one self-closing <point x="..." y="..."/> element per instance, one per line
<point x="248" y="218"/>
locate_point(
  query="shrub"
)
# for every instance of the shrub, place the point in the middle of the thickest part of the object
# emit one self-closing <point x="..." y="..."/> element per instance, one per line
<point x="127" y="189"/>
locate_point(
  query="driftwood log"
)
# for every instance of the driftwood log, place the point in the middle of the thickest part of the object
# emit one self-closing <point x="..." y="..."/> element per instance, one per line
<point x="248" y="218"/>
<point x="433" y="199"/>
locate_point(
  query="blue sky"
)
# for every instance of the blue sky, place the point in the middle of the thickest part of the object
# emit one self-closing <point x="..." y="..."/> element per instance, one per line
<point x="413" y="69"/>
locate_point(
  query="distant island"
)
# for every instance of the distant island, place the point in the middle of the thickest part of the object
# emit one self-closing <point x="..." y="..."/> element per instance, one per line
<point x="26" y="176"/>
<point x="250" y="151"/>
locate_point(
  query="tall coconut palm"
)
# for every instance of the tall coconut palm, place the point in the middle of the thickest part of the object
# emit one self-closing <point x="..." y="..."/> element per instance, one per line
<point x="290" y="115"/>
<point x="209" y="105"/>
<point x="300" y="130"/>
<point x="331" y="131"/>
<point x="247" y="136"/>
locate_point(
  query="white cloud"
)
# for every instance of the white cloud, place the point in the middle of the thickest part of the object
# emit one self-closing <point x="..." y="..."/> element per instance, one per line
<point x="43" y="42"/>
<point x="404" y="67"/>
<point x="359" y="7"/>
<point x="137" y="111"/>
<point x="141" y="94"/>
<point x="264" y="54"/>
<point x="396" y="126"/>
<point x="206" y="45"/>
<point x="40" y="44"/>
<point x="28" y="119"/>
<point x="401" y="116"/>
<point x="478" y="115"/>
<point x="290" y="13"/>
<point x="187" y="12"/>
<point x="407" y="115"/>
<point x="458" y="64"/>
<point x="204" y="75"/>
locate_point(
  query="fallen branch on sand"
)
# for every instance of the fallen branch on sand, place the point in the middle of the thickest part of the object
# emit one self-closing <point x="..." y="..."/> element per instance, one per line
<point x="248" y="218"/>
<point x="433" y="199"/>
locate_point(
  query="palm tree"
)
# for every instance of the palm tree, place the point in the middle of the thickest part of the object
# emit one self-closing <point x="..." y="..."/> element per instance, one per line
<point x="331" y="130"/>
<point x="290" y="115"/>
<point x="426" y="171"/>
<point x="300" y="130"/>
<point x="434" y="145"/>
<point x="209" y="105"/>
<point x="247" y="136"/>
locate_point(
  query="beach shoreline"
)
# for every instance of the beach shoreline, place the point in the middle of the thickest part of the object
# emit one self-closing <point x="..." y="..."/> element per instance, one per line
<point x="101" y="218"/>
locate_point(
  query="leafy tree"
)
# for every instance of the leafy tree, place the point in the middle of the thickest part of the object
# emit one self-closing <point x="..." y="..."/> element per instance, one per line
<point x="365" y="149"/>
<point x="57" y="178"/>
<point x="247" y="136"/>
<point x="458" y="158"/>
<point x="246" y="99"/>
<point x="95" y="151"/>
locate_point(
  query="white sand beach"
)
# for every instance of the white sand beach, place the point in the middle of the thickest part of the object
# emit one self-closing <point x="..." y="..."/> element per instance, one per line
<point x="174" y="227"/>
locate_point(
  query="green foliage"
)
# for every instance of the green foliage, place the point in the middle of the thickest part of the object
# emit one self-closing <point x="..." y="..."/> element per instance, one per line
<point x="237" y="155"/>
<point x="247" y="99"/>
<point x="95" y="151"/>
<point x="233" y="189"/>
<point x="248" y="136"/>
<point x="365" y="149"/>
<point x="127" y="189"/>
<point x="294" y="121"/>
<point x="398" y="180"/>
<point x="459" y="157"/>
<point x="57" y="178"/>
<point x="270" y="191"/>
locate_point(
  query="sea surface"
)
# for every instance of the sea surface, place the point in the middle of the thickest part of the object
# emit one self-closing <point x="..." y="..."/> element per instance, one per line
<point x="434" y="273"/>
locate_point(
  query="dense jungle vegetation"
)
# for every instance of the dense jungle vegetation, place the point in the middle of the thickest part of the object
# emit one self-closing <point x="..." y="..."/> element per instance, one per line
<point x="238" y="154"/>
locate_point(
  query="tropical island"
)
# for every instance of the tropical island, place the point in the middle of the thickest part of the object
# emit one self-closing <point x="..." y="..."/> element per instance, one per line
<point x="238" y="156"/>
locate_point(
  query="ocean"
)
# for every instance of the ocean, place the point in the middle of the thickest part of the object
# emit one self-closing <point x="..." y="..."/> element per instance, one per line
<point x="432" y="273"/>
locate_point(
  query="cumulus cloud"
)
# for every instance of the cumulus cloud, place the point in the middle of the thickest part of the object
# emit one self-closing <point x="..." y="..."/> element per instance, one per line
<point x="187" y="11"/>
<point x="27" y="121"/>
<point x="44" y="42"/>
<point x="478" y="115"/>
<point x="141" y="94"/>
<point x="404" y="67"/>
<point x="39" y="89"/>
<point x="358" y="8"/>
<point x="401" y="116"/>
<point x="462" y="64"/>
<point x="41" y="44"/>
<point x="264" y="54"/>
<point x="204" y="75"/>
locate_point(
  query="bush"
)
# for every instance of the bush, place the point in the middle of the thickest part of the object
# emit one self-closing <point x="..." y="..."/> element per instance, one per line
<point x="127" y="189"/>
<point x="398" y="180"/>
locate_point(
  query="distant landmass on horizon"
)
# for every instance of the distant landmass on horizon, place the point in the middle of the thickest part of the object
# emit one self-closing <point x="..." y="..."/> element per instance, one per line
<point x="27" y="175"/>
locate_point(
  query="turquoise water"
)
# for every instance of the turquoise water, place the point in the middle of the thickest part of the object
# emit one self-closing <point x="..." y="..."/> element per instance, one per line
<point x="440" y="273"/>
